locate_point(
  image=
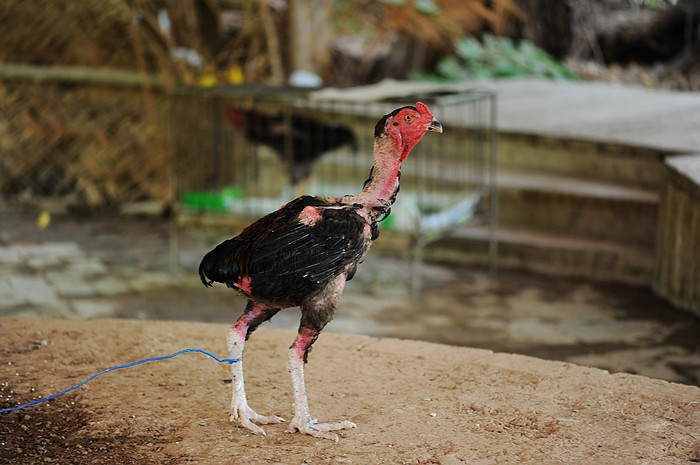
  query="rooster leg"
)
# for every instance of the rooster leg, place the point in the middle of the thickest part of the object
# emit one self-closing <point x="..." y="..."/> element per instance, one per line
<point x="240" y="411"/>
<point x="302" y="421"/>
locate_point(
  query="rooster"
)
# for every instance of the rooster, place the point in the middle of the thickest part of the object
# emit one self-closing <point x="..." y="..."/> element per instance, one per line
<point x="297" y="140"/>
<point x="302" y="255"/>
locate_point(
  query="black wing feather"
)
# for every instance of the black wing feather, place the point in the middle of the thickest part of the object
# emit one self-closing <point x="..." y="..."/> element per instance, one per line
<point x="287" y="260"/>
<point x="299" y="260"/>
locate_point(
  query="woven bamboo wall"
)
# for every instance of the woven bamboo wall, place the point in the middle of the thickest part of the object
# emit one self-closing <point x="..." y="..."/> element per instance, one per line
<point x="93" y="146"/>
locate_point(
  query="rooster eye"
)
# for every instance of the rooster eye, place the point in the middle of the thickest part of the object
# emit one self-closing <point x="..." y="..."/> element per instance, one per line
<point x="408" y="118"/>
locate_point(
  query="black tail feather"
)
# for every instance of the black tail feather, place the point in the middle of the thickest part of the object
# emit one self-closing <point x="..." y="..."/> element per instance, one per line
<point x="203" y="275"/>
<point x="218" y="265"/>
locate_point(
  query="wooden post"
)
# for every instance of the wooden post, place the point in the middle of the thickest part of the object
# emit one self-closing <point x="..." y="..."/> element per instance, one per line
<point x="273" y="48"/>
<point x="309" y="33"/>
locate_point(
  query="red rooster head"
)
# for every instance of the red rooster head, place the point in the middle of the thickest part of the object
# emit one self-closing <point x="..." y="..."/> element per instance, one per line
<point x="407" y="126"/>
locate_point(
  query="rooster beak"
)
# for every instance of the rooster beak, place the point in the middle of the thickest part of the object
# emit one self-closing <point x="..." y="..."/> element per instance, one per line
<point x="435" y="126"/>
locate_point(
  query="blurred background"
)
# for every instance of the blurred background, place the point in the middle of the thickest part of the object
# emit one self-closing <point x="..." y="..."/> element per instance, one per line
<point x="124" y="158"/>
<point x="88" y="82"/>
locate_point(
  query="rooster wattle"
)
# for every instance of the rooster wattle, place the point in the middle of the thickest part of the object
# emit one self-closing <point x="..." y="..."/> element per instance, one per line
<point x="302" y="255"/>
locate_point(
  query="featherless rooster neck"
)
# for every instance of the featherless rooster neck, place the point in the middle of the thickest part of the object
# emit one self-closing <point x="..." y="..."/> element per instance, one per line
<point x="394" y="137"/>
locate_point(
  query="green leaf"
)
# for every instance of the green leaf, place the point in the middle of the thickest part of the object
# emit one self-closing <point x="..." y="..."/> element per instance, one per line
<point x="480" y="71"/>
<point x="427" y="7"/>
<point x="504" y="69"/>
<point x="451" y="69"/>
<point x="468" y="48"/>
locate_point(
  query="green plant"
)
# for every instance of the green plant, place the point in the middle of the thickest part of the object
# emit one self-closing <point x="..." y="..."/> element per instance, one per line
<point x="494" y="57"/>
<point x="426" y="7"/>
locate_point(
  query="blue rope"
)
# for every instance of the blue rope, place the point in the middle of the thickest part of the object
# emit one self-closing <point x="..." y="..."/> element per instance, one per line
<point x="119" y="367"/>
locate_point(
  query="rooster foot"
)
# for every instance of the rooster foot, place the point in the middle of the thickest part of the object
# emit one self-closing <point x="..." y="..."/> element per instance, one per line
<point x="319" y="430"/>
<point x="245" y="416"/>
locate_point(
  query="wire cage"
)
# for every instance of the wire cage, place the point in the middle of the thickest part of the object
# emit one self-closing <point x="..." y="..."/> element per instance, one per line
<point x="242" y="152"/>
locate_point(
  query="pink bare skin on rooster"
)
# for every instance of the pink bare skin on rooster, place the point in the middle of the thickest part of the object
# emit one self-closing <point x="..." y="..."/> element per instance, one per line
<point x="302" y="255"/>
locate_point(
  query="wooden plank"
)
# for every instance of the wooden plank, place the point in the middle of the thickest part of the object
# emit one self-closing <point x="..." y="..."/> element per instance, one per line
<point x="77" y="75"/>
<point x="677" y="273"/>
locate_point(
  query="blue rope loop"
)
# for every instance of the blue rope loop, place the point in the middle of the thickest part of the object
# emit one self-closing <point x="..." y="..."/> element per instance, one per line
<point x="230" y="361"/>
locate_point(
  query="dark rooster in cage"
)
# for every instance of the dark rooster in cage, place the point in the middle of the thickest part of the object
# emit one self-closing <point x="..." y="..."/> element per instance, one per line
<point x="298" y="141"/>
<point x="302" y="255"/>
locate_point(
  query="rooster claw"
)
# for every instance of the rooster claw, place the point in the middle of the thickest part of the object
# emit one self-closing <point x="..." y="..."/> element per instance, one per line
<point x="246" y="416"/>
<point x="320" y="430"/>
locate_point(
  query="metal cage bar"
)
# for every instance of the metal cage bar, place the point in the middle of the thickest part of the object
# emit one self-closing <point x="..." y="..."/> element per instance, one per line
<point x="242" y="152"/>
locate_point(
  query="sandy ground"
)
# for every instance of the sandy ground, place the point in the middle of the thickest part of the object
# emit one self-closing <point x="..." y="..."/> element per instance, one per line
<point x="413" y="402"/>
